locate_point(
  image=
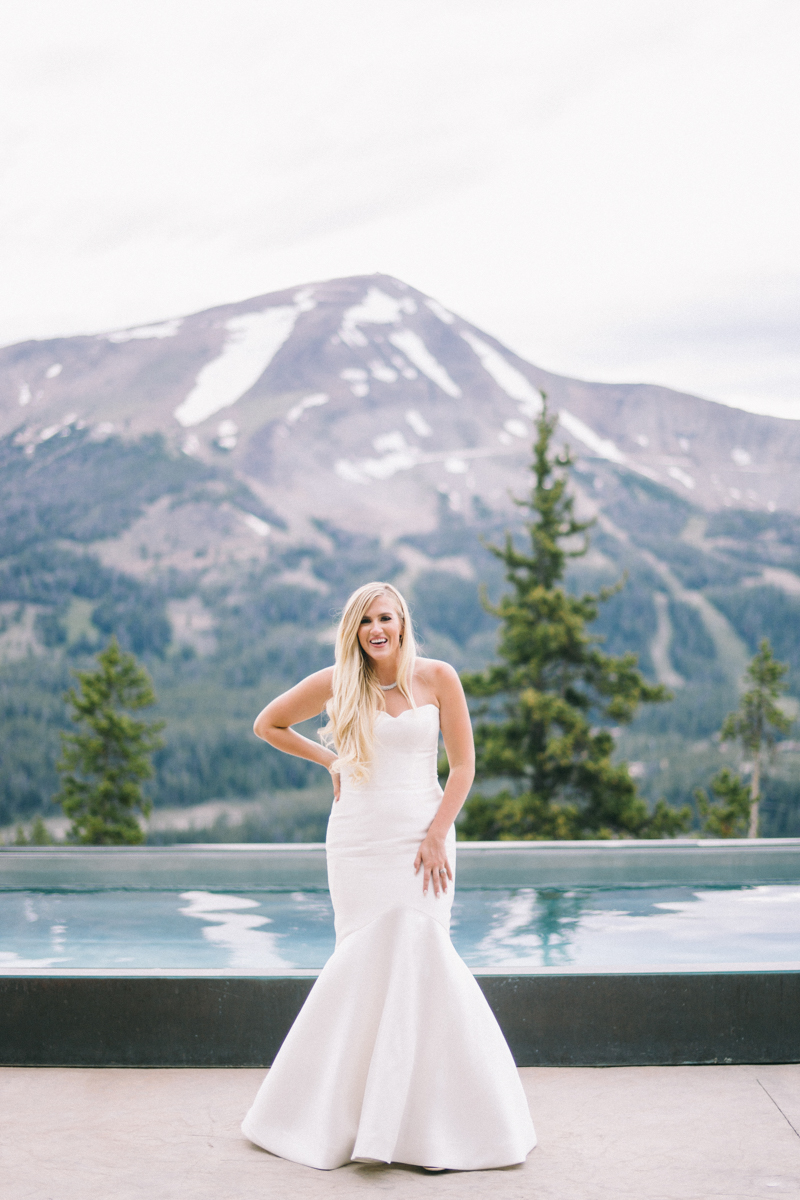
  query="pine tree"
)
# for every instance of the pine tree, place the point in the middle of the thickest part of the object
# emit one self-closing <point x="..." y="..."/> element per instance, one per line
<point x="729" y="815"/>
<point x="39" y="835"/>
<point x="547" y="698"/>
<point x="757" y="719"/>
<point x="104" y="765"/>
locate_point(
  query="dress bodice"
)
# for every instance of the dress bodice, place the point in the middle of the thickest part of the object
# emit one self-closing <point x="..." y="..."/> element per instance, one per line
<point x="394" y="806"/>
<point x="404" y="751"/>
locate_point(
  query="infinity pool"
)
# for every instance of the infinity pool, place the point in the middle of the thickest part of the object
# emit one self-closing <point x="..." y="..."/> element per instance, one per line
<point x="516" y="929"/>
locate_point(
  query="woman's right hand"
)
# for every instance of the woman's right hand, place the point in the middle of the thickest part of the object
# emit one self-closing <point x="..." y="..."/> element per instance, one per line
<point x="337" y="781"/>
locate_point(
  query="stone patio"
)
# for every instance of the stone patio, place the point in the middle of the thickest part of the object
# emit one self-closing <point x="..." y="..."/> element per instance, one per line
<point x="644" y="1133"/>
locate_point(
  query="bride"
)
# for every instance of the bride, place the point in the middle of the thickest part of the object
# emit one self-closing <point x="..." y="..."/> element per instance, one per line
<point x="395" y="1055"/>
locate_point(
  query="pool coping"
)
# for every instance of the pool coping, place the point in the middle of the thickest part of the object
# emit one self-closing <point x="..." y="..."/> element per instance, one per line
<point x="490" y="865"/>
<point x="507" y="971"/>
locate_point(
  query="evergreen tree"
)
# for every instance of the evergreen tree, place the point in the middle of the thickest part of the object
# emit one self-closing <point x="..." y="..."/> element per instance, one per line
<point x="729" y="815"/>
<point x="103" y="765"/>
<point x="757" y="719"/>
<point x="546" y="699"/>
<point x="39" y="835"/>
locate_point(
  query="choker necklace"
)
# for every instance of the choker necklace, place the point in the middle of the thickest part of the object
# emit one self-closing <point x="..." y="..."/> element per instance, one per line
<point x="387" y="687"/>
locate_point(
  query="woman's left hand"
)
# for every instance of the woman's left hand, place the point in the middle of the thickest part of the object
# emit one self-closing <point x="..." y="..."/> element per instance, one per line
<point x="432" y="857"/>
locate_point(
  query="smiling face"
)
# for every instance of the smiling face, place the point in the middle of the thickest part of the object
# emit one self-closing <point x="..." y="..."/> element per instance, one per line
<point x="380" y="631"/>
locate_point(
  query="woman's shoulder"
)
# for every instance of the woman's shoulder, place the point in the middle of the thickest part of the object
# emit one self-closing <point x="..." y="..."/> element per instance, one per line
<point x="322" y="680"/>
<point x="433" y="671"/>
<point x="319" y="686"/>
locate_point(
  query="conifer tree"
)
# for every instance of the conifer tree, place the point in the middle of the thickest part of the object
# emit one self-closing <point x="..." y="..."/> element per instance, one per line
<point x="549" y="702"/>
<point x="39" y="835"/>
<point x="728" y="815"/>
<point x="104" y="764"/>
<point x="756" y="721"/>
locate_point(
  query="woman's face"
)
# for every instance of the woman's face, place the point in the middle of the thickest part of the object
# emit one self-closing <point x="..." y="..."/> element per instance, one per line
<point x="380" y="630"/>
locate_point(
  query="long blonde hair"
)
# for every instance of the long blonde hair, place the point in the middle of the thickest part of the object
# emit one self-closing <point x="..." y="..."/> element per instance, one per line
<point x="357" y="697"/>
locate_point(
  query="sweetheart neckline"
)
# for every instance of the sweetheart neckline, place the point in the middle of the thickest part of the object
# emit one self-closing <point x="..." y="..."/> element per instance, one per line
<point x="407" y="710"/>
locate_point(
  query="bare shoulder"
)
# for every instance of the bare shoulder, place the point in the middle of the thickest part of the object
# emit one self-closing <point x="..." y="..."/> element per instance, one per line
<point x="320" y="684"/>
<point x="436" y="674"/>
<point x="310" y="695"/>
<point x="441" y="682"/>
<point x="323" y="678"/>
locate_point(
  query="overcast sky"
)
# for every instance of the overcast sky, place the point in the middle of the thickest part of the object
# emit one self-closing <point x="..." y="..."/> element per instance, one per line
<point x="611" y="187"/>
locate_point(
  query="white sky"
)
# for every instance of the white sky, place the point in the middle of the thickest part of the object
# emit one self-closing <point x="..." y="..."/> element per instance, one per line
<point x="611" y="187"/>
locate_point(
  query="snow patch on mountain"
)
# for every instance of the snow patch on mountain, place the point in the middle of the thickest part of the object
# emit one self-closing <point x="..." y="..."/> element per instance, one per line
<point x="227" y="435"/>
<point x="512" y="381"/>
<point x="368" y="469"/>
<point x="401" y="457"/>
<point x="313" y="401"/>
<point x="357" y="378"/>
<point x="681" y="476"/>
<point x="164" y="329"/>
<point x="62" y="427"/>
<point x="382" y="373"/>
<point x="418" y="353"/>
<point x="602" y="447"/>
<point x="254" y="340"/>
<point x="405" y="370"/>
<point x="390" y="441"/>
<point x="349" y="471"/>
<point x="418" y="423"/>
<point x="255" y="524"/>
<point x="440" y="311"/>
<point x="377" y="308"/>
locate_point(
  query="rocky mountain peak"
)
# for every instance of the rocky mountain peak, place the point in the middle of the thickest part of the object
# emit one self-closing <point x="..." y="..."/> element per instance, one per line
<point x="364" y="394"/>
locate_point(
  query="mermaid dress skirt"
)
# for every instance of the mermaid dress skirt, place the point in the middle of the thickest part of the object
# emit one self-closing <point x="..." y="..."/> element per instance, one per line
<point x="395" y="1055"/>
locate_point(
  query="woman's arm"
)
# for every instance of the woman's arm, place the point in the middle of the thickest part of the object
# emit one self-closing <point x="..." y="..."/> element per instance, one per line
<point x="457" y="733"/>
<point x="307" y="699"/>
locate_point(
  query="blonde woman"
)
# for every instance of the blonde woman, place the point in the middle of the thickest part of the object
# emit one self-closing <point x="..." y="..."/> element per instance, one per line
<point x="395" y="1056"/>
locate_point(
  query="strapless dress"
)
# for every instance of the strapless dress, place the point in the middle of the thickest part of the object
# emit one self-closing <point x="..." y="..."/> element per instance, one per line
<point x="395" y="1055"/>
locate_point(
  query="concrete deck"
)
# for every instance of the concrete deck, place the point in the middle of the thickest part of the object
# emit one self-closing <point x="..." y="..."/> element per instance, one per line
<point x="625" y="1133"/>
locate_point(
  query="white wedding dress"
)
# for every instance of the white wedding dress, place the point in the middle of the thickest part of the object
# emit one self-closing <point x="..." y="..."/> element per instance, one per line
<point x="395" y="1055"/>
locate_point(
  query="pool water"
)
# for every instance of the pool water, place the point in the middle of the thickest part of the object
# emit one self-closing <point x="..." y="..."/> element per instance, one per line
<point x="516" y="929"/>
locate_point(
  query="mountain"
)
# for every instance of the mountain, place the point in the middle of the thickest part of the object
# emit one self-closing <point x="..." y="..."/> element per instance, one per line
<point x="366" y="381"/>
<point x="210" y="487"/>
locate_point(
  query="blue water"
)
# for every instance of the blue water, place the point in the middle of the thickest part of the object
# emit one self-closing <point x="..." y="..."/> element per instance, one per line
<point x="515" y="929"/>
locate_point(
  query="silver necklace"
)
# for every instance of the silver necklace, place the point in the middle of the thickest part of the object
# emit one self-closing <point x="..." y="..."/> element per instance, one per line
<point x="387" y="687"/>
